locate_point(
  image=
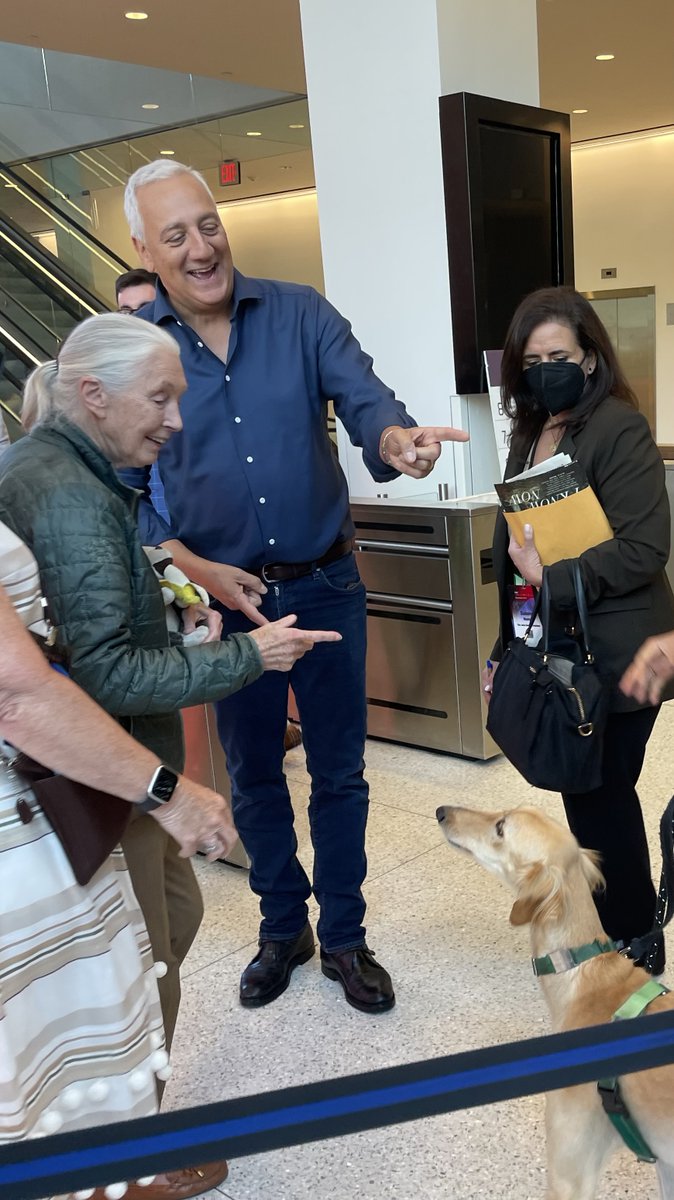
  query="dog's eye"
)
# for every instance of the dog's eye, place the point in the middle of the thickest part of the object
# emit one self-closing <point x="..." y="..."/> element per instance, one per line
<point x="499" y="827"/>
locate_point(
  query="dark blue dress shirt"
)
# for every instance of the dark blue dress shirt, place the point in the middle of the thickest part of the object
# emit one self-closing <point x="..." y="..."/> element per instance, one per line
<point x="253" y="477"/>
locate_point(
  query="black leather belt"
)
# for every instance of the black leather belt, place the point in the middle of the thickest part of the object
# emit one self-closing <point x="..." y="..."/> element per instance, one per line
<point x="279" y="572"/>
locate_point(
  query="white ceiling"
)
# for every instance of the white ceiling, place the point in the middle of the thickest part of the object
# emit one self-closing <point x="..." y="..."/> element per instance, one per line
<point x="255" y="42"/>
<point x="258" y="43"/>
<point x="635" y="91"/>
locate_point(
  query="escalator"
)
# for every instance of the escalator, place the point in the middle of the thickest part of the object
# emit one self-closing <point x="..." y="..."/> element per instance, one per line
<point x="40" y="302"/>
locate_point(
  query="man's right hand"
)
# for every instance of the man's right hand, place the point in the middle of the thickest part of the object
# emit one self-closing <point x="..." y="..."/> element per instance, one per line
<point x="280" y="646"/>
<point x="237" y="590"/>
<point x="198" y="819"/>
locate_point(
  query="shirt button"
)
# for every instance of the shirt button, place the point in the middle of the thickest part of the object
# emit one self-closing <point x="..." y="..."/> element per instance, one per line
<point x="238" y="420"/>
<point x="262" y="500"/>
<point x="226" y="378"/>
<point x="200" y="345"/>
<point x="250" y="458"/>
<point x="272" y="541"/>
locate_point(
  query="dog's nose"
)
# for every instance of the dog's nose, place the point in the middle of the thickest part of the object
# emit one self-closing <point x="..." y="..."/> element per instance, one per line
<point x="440" y="814"/>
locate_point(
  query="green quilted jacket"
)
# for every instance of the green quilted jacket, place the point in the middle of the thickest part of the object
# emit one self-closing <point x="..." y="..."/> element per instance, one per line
<point x="63" y="498"/>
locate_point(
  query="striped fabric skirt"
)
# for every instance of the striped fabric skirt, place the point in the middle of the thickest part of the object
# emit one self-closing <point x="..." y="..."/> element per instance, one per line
<point x="81" y="1034"/>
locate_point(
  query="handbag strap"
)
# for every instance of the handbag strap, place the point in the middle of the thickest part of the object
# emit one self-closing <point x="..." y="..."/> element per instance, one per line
<point x="581" y="605"/>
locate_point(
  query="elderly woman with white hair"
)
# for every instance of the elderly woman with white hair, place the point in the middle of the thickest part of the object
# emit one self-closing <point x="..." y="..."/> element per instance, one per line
<point x="112" y="400"/>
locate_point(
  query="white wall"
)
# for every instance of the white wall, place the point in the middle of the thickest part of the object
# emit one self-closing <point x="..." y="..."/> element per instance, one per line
<point x="276" y="238"/>
<point x="623" y="206"/>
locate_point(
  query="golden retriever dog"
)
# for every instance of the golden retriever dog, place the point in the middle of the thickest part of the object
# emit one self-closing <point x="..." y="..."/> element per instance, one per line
<point x="553" y="879"/>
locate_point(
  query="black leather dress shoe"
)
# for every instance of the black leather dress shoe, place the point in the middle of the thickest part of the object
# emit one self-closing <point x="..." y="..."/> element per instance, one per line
<point x="268" y="975"/>
<point x="367" y="986"/>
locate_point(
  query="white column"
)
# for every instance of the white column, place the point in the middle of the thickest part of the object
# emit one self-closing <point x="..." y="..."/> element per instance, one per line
<point x="375" y="71"/>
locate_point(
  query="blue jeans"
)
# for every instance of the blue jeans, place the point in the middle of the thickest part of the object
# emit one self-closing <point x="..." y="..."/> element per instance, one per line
<point x="329" y="686"/>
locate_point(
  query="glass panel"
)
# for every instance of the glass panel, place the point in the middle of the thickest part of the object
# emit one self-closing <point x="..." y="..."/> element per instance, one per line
<point x="636" y="348"/>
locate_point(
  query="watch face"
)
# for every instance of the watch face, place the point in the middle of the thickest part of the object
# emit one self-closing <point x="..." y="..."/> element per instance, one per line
<point x="163" y="784"/>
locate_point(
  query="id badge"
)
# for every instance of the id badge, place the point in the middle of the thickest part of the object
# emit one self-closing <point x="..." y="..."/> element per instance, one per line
<point x="522" y="604"/>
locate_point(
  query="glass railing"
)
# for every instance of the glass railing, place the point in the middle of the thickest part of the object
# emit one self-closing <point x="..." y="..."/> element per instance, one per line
<point x="72" y="201"/>
<point x="39" y="305"/>
<point x="55" y="227"/>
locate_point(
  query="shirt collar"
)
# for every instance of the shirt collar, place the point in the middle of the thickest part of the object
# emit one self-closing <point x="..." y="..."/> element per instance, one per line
<point x="245" y="288"/>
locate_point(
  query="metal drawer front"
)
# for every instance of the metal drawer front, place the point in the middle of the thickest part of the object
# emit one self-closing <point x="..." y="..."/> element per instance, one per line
<point x="422" y="527"/>
<point x="415" y="575"/>
<point x="411" y="678"/>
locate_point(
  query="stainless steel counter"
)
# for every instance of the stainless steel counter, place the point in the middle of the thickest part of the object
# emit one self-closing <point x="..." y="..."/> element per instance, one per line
<point x="432" y="618"/>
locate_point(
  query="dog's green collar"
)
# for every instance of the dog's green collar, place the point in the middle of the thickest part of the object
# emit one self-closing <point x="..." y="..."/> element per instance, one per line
<point x="565" y="960"/>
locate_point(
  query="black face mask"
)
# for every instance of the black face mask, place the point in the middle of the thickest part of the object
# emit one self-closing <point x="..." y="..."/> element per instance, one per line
<point x="556" y="386"/>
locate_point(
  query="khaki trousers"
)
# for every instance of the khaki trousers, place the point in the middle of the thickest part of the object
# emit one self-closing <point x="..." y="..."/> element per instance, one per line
<point x="170" y="901"/>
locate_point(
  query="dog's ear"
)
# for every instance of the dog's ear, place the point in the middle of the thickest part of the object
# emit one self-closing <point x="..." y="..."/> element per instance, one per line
<point x="589" y="862"/>
<point x="539" y="895"/>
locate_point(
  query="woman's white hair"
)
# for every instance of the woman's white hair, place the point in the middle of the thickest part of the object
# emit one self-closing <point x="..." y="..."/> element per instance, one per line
<point x="161" y="168"/>
<point x="112" y="348"/>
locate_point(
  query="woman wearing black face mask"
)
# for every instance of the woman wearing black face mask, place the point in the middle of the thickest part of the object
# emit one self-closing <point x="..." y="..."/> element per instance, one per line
<point x="566" y="393"/>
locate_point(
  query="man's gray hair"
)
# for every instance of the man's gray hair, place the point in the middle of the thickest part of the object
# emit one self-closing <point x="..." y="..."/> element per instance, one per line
<point x="161" y="168"/>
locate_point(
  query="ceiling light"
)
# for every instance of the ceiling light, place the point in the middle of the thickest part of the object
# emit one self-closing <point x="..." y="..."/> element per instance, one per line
<point x="149" y="106"/>
<point x="604" y="57"/>
<point x="579" y="110"/>
<point x="296" y="127"/>
<point x="253" y="133"/>
<point x="136" y="16"/>
<point x="168" y="153"/>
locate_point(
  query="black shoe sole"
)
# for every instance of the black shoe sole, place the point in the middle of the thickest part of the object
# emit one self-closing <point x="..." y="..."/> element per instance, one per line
<point x="259" y="1002"/>
<point x="381" y="1006"/>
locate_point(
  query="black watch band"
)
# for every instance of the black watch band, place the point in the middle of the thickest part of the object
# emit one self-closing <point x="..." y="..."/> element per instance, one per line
<point x="160" y="790"/>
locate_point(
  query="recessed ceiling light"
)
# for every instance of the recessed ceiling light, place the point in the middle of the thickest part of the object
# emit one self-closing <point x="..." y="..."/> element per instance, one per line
<point x="296" y="127"/>
<point x="604" y="57"/>
<point x="150" y="106"/>
<point x="253" y="133"/>
<point x="579" y="110"/>
<point x="168" y="153"/>
<point x="136" y="16"/>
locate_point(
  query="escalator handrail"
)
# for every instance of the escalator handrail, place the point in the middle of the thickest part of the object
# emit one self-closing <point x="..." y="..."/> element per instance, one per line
<point x="7" y="411"/>
<point x="15" y="340"/>
<point x="33" y="316"/>
<point x="123" y="266"/>
<point x="36" y="253"/>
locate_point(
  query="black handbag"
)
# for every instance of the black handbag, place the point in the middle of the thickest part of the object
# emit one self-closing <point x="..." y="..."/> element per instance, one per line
<point x="548" y="710"/>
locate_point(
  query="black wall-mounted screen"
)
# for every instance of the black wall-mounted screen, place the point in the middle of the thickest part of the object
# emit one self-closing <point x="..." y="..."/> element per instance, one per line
<point x="508" y="205"/>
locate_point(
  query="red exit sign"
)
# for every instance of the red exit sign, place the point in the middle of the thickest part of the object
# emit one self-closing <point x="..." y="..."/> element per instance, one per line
<point x="230" y="172"/>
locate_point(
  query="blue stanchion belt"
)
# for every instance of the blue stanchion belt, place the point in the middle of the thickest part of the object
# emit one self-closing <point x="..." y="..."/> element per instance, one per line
<point x="234" y="1128"/>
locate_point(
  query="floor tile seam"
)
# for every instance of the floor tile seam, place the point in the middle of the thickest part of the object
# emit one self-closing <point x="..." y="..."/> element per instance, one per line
<point x="221" y="957"/>
<point x="405" y="863"/>
<point x="398" y="808"/>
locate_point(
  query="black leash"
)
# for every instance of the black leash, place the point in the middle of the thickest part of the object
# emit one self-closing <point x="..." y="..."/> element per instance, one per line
<point x="645" y="948"/>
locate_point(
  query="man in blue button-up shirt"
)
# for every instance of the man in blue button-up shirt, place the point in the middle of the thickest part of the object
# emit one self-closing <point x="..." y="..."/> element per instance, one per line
<point x="259" y="515"/>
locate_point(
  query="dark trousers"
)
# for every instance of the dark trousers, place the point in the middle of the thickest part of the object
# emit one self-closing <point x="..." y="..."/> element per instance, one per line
<point x="609" y="819"/>
<point x="329" y="686"/>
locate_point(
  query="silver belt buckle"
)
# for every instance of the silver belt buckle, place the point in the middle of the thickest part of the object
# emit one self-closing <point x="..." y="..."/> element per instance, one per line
<point x="263" y="572"/>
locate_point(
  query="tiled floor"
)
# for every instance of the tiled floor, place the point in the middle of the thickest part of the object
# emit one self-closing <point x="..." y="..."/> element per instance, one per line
<point x="462" y="979"/>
